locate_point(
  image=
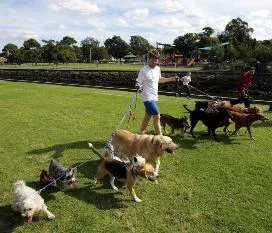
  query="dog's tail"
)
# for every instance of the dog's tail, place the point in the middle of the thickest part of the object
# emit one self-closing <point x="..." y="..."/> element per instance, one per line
<point x="95" y="150"/>
<point x="19" y="184"/>
<point x="185" y="106"/>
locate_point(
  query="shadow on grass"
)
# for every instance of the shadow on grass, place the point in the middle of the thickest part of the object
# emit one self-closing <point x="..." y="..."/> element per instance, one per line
<point x="58" y="149"/>
<point x="102" y="196"/>
<point x="188" y="142"/>
<point x="9" y="219"/>
<point x="262" y="124"/>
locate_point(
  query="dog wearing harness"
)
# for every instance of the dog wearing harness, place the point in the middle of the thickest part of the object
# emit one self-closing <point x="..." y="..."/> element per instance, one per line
<point x="67" y="180"/>
<point x="123" y="171"/>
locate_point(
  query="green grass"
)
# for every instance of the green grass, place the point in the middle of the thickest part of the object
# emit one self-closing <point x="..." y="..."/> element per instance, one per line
<point x="92" y="66"/>
<point x="206" y="186"/>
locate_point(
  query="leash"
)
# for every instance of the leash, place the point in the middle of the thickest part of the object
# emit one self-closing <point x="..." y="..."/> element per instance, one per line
<point x="60" y="177"/>
<point x="129" y="109"/>
<point x="201" y="91"/>
<point x="108" y="145"/>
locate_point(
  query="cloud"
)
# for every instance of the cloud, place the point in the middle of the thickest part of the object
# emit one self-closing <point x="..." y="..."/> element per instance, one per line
<point x="137" y="14"/>
<point x="260" y="14"/>
<point x="122" y="22"/>
<point x="17" y="35"/>
<point x="96" y="23"/>
<point x="81" y="6"/>
<point x="173" y="22"/>
<point x="169" y="6"/>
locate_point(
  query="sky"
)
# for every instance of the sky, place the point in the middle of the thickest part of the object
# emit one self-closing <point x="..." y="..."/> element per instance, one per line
<point x="156" y="20"/>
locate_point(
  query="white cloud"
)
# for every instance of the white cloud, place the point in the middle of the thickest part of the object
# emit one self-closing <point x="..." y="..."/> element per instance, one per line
<point x="122" y="22"/>
<point x="169" y="6"/>
<point x="17" y="35"/>
<point x="137" y="14"/>
<point x="96" y="23"/>
<point x="80" y="6"/>
<point x="260" y="14"/>
<point x="173" y="22"/>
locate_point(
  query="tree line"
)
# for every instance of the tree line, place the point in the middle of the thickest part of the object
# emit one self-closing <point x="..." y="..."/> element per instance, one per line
<point x="242" y="47"/>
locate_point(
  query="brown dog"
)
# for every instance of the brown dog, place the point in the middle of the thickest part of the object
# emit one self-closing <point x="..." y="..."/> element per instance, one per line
<point x="174" y="123"/>
<point x="116" y="168"/>
<point x="245" y="120"/>
<point x="253" y="110"/>
<point x="151" y="147"/>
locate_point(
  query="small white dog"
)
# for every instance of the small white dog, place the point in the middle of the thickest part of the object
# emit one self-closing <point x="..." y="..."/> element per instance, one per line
<point x="27" y="201"/>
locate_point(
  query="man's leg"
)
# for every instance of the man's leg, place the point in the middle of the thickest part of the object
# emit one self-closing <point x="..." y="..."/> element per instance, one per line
<point x="247" y="102"/>
<point x="157" y="124"/>
<point x="240" y="99"/>
<point x="145" y="123"/>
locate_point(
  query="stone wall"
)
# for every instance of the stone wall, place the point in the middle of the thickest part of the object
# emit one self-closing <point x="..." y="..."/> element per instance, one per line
<point x="222" y="83"/>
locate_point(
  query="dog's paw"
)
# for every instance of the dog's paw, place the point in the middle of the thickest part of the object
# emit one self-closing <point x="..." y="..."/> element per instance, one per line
<point x="115" y="188"/>
<point x="50" y="216"/>
<point x="137" y="199"/>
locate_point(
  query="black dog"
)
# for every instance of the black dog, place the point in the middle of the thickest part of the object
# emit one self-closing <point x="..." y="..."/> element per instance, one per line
<point x="212" y="120"/>
<point x="270" y="108"/>
<point x="201" y="105"/>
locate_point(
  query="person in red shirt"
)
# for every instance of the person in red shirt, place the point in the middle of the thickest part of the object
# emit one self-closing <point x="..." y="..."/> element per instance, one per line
<point x="243" y="83"/>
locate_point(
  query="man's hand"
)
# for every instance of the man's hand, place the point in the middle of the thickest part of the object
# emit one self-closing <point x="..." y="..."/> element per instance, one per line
<point x="139" y="87"/>
<point x="176" y="78"/>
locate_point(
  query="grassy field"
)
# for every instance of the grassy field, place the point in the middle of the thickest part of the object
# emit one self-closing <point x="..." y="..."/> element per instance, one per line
<point x="206" y="186"/>
<point x="92" y="66"/>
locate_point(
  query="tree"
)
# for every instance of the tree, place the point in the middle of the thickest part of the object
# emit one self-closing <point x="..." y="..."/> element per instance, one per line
<point x="139" y="45"/>
<point x="66" y="55"/>
<point x="100" y="53"/>
<point x="238" y="31"/>
<point x="67" y="40"/>
<point x="49" y="51"/>
<point x="263" y="53"/>
<point x="117" y="47"/>
<point x="11" y="52"/>
<point x="87" y="45"/>
<point x="186" y="44"/>
<point x="207" y="31"/>
<point x="32" y="51"/>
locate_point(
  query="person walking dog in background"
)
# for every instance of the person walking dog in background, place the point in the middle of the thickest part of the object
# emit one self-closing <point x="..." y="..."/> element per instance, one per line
<point x="185" y="82"/>
<point x="148" y="80"/>
<point x="243" y="83"/>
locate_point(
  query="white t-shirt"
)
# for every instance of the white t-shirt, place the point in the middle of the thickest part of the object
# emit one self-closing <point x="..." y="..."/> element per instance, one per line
<point x="149" y="80"/>
<point x="186" y="80"/>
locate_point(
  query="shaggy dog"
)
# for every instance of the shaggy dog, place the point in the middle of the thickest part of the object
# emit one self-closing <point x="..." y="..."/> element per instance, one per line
<point x="66" y="176"/>
<point x="126" y="144"/>
<point x="174" y="123"/>
<point x="126" y="172"/>
<point x="28" y="202"/>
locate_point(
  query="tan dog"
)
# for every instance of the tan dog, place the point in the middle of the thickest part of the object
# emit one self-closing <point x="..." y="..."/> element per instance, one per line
<point x="116" y="168"/>
<point x="151" y="147"/>
<point x="253" y="110"/>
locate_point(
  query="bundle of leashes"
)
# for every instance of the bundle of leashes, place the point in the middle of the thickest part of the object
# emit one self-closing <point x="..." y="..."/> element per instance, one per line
<point x="46" y="180"/>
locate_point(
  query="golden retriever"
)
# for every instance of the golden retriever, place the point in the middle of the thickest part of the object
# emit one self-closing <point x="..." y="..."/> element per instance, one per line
<point x="151" y="147"/>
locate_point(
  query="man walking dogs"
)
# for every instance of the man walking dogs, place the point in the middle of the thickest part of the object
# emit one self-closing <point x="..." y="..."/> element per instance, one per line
<point x="148" y="79"/>
<point x="244" y="82"/>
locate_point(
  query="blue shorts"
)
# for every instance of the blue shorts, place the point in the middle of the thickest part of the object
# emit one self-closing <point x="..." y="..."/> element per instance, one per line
<point x="151" y="107"/>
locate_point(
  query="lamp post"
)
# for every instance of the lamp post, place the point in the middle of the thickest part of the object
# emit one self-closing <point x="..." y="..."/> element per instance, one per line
<point x="90" y="54"/>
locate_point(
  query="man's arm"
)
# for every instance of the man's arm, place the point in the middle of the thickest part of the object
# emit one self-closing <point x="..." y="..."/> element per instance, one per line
<point x="171" y="79"/>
